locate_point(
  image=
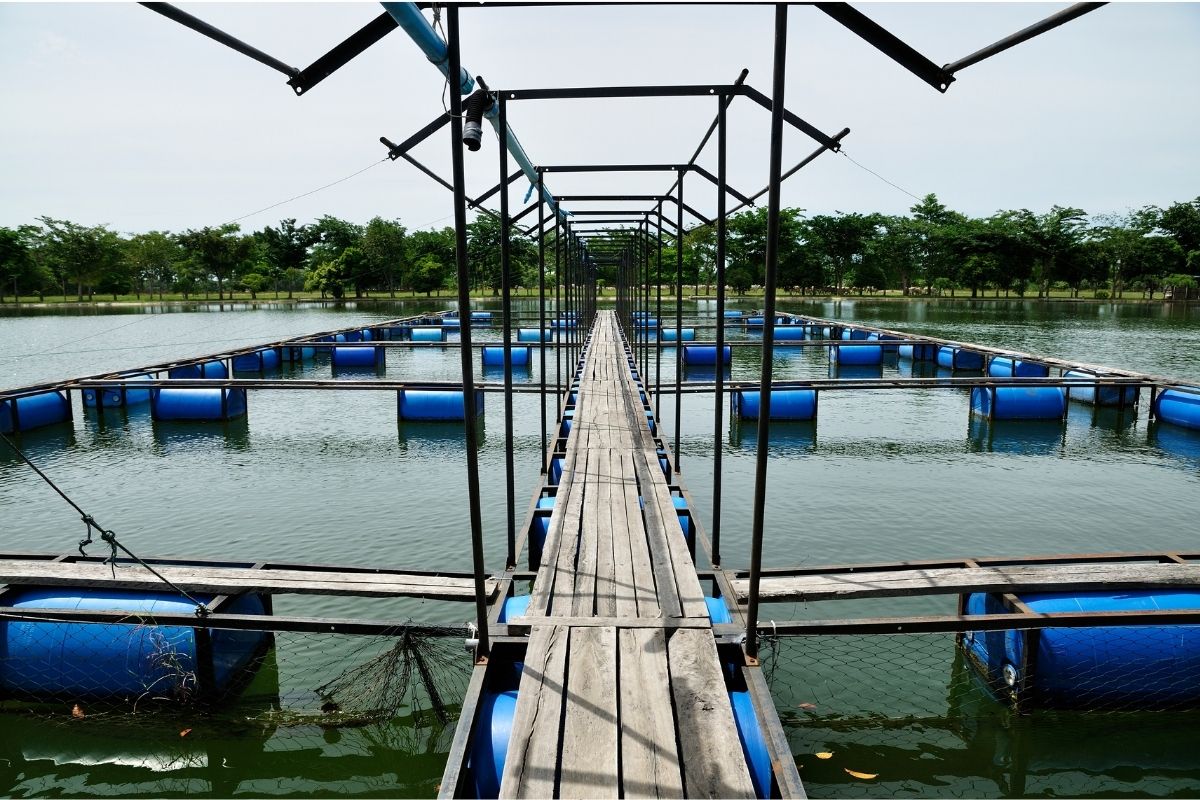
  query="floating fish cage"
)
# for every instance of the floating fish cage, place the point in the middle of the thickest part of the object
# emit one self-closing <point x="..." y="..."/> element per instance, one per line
<point x="1125" y="667"/>
<point x="1019" y="402"/>
<point x="47" y="660"/>
<point x="363" y="358"/>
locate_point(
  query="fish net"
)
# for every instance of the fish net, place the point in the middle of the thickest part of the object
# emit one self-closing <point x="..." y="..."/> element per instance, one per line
<point x="948" y="715"/>
<point x="251" y="707"/>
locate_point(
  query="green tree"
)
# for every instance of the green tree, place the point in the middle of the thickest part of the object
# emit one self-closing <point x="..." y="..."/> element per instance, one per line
<point x="217" y="252"/>
<point x="80" y="255"/>
<point x="152" y="259"/>
<point x="19" y="269"/>
<point x="284" y="248"/>
<point x="254" y="283"/>
<point x="332" y="237"/>
<point x="384" y="247"/>
<point x="841" y="240"/>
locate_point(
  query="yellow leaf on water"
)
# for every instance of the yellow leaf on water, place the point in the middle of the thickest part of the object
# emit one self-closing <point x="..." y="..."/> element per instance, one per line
<point x="807" y="706"/>
<point x="184" y="732"/>
<point x="824" y="755"/>
<point x="866" y="776"/>
<point x="77" y="712"/>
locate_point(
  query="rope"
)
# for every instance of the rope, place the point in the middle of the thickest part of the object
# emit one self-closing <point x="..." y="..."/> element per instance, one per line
<point x="306" y="194"/>
<point x="107" y="536"/>
<point x="877" y="175"/>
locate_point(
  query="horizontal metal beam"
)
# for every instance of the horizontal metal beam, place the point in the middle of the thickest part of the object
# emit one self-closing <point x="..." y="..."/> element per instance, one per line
<point x="592" y="92"/>
<point x="951" y="623"/>
<point x="242" y="622"/>
<point x="613" y="167"/>
<point x="793" y="120"/>
<point x="397" y="150"/>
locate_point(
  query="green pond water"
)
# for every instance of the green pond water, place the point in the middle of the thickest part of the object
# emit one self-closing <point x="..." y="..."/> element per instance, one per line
<point x="332" y="477"/>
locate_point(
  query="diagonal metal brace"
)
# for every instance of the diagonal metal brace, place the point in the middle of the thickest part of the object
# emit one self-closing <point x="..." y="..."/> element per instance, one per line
<point x="889" y="44"/>
<point x="341" y="55"/>
<point x="397" y="150"/>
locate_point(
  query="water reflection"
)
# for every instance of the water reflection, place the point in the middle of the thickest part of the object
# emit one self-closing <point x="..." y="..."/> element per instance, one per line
<point x="1022" y="437"/>
<point x="176" y="436"/>
<point x="437" y="438"/>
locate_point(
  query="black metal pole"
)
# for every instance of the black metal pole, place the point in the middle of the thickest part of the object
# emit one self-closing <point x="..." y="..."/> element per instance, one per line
<point x="768" y="347"/>
<point x="658" y="328"/>
<point x="465" y="351"/>
<point x="558" y="309"/>
<point x="542" y="313"/>
<point x="718" y="405"/>
<point x="510" y="486"/>
<point x="679" y="321"/>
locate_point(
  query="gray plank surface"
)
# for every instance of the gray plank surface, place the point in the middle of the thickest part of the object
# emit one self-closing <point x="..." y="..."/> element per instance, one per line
<point x="649" y="754"/>
<point x="1075" y="577"/>
<point x="589" y="766"/>
<point x="530" y="766"/>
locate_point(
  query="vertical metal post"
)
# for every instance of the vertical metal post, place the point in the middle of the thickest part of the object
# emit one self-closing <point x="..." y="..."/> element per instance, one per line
<point x="465" y="349"/>
<point x="542" y="313"/>
<point x="719" y="406"/>
<point x="679" y="322"/>
<point x="768" y="346"/>
<point x="558" y="313"/>
<point x="658" y="328"/>
<point x="510" y="488"/>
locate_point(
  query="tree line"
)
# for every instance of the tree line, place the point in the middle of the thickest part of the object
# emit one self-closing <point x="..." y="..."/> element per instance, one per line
<point x="935" y="250"/>
<point x="931" y="250"/>
<point x="331" y="256"/>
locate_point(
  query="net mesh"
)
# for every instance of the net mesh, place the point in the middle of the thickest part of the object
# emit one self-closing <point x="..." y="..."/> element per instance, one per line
<point x="939" y="715"/>
<point x="250" y="708"/>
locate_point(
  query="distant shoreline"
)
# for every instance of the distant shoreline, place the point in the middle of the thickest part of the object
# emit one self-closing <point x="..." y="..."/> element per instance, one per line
<point x="447" y="298"/>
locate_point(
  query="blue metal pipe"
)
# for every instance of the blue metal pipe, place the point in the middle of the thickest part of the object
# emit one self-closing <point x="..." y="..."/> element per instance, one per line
<point x="413" y="22"/>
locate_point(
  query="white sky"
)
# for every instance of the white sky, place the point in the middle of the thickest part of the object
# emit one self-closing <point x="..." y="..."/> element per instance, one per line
<point x="111" y="113"/>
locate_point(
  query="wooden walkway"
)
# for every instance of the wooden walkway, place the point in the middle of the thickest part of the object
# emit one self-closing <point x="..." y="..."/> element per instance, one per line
<point x="622" y="692"/>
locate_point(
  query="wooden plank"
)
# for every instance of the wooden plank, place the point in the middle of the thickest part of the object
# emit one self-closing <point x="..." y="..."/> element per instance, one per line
<point x="1073" y="577"/>
<point x="530" y="764"/>
<point x="543" y="587"/>
<point x="567" y="548"/>
<point x="713" y="762"/>
<point x="649" y="755"/>
<point x="644" y="578"/>
<point x="227" y="580"/>
<point x="584" y="599"/>
<point x="606" y="534"/>
<point x="691" y="595"/>
<point x="626" y="527"/>
<point x="589" y="766"/>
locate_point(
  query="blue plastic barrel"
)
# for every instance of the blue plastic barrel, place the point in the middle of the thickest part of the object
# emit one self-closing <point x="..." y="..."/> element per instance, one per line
<point x="755" y="322"/>
<point x="493" y="356"/>
<point x="1019" y="402"/>
<point x="1179" y="407"/>
<point x="919" y="352"/>
<point x="786" y="404"/>
<point x="733" y="314"/>
<point x="1100" y="395"/>
<point x="565" y="323"/>
<point x="645" y="322"/>
<point x="688" y="334"/>
<point x="481" y="316"/>
<point x="958" y="358"/>
<point x="1133" y="667"/>
<point x="855" y="335"/>
<point x="717" y="612"/>
<point x="758" y="757"/>
<point x="493" y="730"/>
<point x="534" y="335"/>
<point x="1006" y="367"/>
<point x="34" y="411"/>
<point x="358" y="357"/>
<point x="114" y="398"/>
<point x="197" y="404"/>
<point x="258" y="361"/>
<point x="348" y="336"/>
<point x="514" y="607"/>
<point x="449" y="322"/>
<point x="435" y="405"/>
<point x="207" y="370"/>
<point x="857" y="355"/>
<point x="705" y="354"/>
<point x="789" y="333"/>
<point x="424" y="334"/>
<point x="77" y="659"/>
